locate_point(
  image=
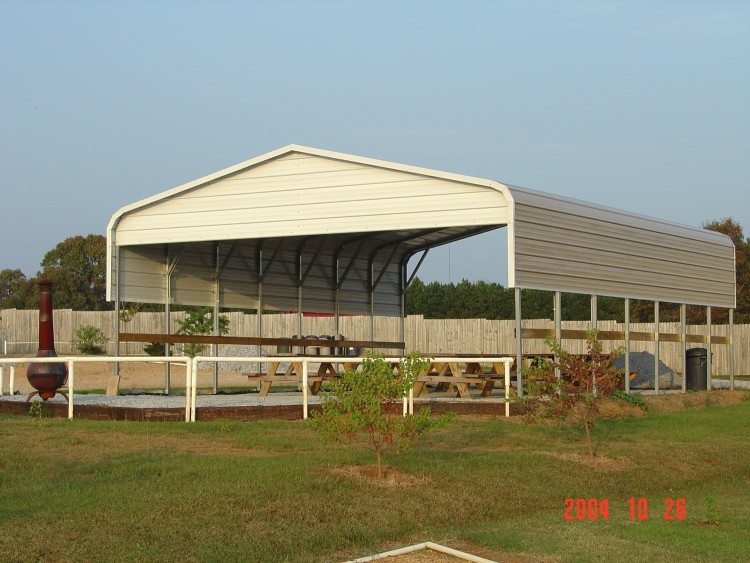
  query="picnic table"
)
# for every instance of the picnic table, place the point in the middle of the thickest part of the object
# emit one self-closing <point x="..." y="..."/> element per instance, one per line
<point x="457" y="373"/>
<point x="461" y="373"/>
<point x="289" y="371"/>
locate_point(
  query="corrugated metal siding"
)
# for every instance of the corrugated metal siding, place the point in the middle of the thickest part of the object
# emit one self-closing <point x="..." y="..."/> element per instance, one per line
<point x="238" y="287"/>
<point x="387" y="298"/>
<point x="317" y="292"/>
<point x="141" y="276"/>
<point x="280" y="282"/>
<point x="192" y="278"/>
<point x="582" y="248"/>
<point x="353" y="296"/>
<point x="301" y="194"/>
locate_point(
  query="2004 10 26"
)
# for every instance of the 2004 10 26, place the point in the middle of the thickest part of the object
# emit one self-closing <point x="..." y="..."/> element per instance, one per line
<point x="592" y="509"/>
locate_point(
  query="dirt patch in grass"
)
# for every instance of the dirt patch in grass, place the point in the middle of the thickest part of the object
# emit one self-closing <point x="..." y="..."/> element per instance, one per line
<point x="616" y="408"/>
<point x="601" y="463"/>
<point x="424" y="556"/>
<point x="608" y="409"/>
<point x="369" y="474"/>
<point x="611" y="408"/>
<point x="692" y="400"/>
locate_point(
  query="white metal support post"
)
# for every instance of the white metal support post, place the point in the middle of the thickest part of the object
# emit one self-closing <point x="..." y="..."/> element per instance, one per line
<point x="731" y="348"/>
<point x="167" y="317"/>
<point x="708" y="346"/>
<point x="558" y="326"/>
<point x="683" y="339"/>
<point x="215" y="327"/>
<point x="656" y="346"/>
<point x="188" y="389"/>
<point x="519" y="344"/>
<point x="594" y="326"/>
<point x="627" y="345"/>
<point x="193" y="387"/>
<point x="215" y="348"/>
<point x="259" y="310"/>
<point x="594" y="312"/>
<point x="71" y="381"/>
<point x="299" y="295"/>
<point x="507" y="389"/>
<point x="116" y="321"/>
<point x="371" y="295"/>
<point x="305" y="376"/>
<point x="337" y="301"/>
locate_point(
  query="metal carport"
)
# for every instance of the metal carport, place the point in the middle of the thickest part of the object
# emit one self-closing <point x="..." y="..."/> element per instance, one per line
<point x="305" y="229"/>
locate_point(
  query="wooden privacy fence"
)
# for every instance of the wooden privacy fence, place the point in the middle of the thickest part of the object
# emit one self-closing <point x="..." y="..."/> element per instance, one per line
<point x="19" y="333"/>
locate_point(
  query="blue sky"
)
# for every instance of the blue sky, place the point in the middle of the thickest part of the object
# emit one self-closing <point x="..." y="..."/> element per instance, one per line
<point x="643" y="106"/>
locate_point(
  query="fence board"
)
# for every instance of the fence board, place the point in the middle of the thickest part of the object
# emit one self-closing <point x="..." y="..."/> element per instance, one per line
<point x="19" y="333"/>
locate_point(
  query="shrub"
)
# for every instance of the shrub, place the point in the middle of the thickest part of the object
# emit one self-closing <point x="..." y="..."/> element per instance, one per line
<point x="90" y="341"/>
<point x="364" y="407"/>
<point x="154" y="348"/>
<point x="582" y="381"/>
<point x="199" y="321"/>
<point x="630" y="399"/>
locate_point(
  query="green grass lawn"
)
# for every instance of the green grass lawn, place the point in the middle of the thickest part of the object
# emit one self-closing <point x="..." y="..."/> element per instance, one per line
<point x="271" y="491"/>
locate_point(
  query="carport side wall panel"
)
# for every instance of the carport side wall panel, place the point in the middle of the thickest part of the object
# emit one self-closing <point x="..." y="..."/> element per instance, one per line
<point x="632" y="257"/>
<point x="141" y="275"/>
<point x="192" y="280"/>
<point x="142" y="279"/>
<point x="314" y="201"/>
<point x="238" y="285"/>
<point x="280" y="279"/>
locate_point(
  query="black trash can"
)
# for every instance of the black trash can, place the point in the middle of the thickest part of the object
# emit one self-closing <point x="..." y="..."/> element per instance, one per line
<point x="696" y="369"/>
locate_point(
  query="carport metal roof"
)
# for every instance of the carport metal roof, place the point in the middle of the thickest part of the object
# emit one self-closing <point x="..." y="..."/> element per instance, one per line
<point x="306" y="229"/>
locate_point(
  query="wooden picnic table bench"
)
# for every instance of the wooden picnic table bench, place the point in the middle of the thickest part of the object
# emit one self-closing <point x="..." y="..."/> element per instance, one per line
<point x="292" y="374"/>
<point x="258" y="341"/>
<point x="480" y="370"/>
<point x="450" y="372"/>
<point x="446" y="373"/>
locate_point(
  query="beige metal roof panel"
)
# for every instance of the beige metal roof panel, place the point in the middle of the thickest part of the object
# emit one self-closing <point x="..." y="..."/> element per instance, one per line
<point x="565" y="245"/>
<point x="300" y="194"/>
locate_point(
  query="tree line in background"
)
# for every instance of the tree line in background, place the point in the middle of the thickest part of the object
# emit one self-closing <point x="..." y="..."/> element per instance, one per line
<point x="77" y="267"/>
<point x="78" y="264"/>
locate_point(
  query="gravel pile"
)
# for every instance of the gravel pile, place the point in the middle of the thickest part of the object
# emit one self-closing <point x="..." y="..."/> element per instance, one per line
<point x="724" y="384"/>
<point x="157" y="401"/>
<point x="642" y="364"/>
<point x="237" y="350"/>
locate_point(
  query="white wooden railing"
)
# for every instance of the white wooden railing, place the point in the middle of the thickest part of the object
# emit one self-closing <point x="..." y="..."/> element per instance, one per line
<point x="192" y="371"/>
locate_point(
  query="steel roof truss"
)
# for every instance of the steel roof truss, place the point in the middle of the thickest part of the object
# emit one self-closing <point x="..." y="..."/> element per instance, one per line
<point x="383" y="270"/>
<point x="172" y="264"/>
<point x="405" y="260"/>
<point x="303" y="276"/>
<point x="340" y="279"/>
<point x="264" y="269"/>
<point x="230" y="253"/>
